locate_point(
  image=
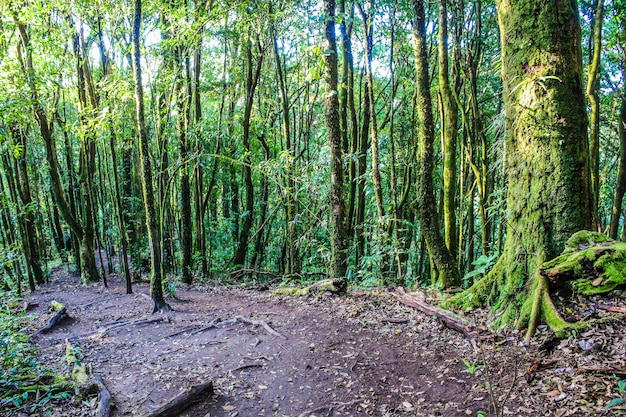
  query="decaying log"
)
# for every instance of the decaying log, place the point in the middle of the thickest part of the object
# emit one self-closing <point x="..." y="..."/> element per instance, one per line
<point x="106" y="401"/>
<point x="450" y="319"/>
<point x="56" y="319"/>
<point x="183" y="401"/>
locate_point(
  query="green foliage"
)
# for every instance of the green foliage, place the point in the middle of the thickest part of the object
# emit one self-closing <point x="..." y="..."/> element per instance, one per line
<point x="471" y="367"/>
<point x="25" y="385"/>
<point x="482" y="265"/>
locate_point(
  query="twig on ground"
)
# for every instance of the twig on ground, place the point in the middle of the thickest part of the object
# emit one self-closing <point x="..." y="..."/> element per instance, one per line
<point x="604" y="370"/>
<point x="247" y="366"/>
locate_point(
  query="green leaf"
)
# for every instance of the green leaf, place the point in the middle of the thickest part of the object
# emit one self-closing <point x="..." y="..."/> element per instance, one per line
<point x="615" y="402"/>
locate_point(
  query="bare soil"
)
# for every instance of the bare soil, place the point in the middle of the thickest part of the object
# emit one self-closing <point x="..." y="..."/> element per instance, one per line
<point x="360" y="355"/>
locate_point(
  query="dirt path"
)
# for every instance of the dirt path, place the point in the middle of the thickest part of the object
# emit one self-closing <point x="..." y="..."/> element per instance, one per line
<point x="341" y="357"/>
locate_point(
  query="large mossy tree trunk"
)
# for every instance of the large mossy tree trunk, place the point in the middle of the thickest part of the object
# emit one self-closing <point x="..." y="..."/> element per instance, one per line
<point x="549" y="193"/>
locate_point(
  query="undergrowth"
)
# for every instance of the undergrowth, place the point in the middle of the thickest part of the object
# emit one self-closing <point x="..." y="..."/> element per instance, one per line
<point x="25" y="385"/>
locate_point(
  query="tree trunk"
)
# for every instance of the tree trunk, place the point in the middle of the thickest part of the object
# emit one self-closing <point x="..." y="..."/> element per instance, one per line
<point x="156" y="278"/>
<point x="549" y="194"/>
<point x="593" y="96"/>
<point x="339" y="264"/>
<point x="291" y="208"/>
<point x="447" y="273"/>
<point x="253" y="75"/>
<point x="449" y="120"/>
<point x="370" y="101"/>
<point x="620" y="188"/>
<point x="182" y="101"/>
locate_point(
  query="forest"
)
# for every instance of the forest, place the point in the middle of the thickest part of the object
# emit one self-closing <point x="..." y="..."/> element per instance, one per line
<point x="166" y="165"/>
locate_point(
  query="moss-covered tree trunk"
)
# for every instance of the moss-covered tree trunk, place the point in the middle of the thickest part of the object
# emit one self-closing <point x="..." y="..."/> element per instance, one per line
<point x="447" y="273"/>
<point x="156" y="278"/>
<point x="549" y="194"/>
<point x="449" y="120"/>
<point x="339" y="265"/>
<point x="593" y="96"/>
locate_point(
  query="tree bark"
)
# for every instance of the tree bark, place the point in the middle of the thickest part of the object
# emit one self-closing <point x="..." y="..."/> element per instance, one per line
<point x="449" y="120"/>
<point x="620" y="187"/>
<point x="593" y="96"/>
<point x="447" y="273"/>
<point x="339" y="264"/>
<point x="549" y="193"/>
<point x="252" y="80"/>
<point x="156" y="277"/>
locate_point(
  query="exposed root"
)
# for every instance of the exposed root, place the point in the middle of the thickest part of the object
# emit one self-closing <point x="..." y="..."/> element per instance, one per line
<point x="106" y="401"/>
<point x="61" y="313"/>
<point x="262" y="323"/>
<point x="182" y="402"/>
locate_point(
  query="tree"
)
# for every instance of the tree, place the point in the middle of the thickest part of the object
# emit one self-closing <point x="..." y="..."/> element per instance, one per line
<point x="156" y="277"/>
<point x="447" y="273"/>
<point x="449" y="118"/>
<point x="82" y="232"/>
<point x="338" y="267"/>
<point x="549" y="194"/>
<point x="593" y="96"/>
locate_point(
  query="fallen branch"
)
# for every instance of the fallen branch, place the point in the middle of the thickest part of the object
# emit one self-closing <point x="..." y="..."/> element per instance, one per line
<point x="613" y="309"/>
<point x="262" y="323"/>
<point x="451" y="320"/>
<point x="604" y="370"/>
<point x="138" y="322"/>
<point x="328" y="409"/>
<point x="394" y="320"/>
<point x="106" y="401"/>
<point x="183" y="401"/>
<point x="248" y="366"/>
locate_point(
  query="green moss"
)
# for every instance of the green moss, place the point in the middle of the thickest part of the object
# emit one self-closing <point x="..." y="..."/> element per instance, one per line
<point x="585" y="238"/>
<point x="595" y="270"/>
<point x="297" y="291"/>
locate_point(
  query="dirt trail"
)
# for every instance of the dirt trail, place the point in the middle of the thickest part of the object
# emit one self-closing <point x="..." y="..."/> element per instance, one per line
<point x="340" y="356"/>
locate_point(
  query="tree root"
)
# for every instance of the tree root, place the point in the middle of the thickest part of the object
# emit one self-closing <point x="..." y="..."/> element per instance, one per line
<point x="261" y="323"/>
<point x="61" y="313"/>
<point x="539" y="305"/>
<point x="182" y="402"/>
<point x="106" y="401"/>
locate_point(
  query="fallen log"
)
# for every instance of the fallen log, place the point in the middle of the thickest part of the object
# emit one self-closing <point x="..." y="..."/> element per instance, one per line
<point x="183" y="401"/>
<point x="450" y="319"/>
